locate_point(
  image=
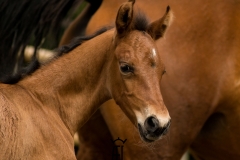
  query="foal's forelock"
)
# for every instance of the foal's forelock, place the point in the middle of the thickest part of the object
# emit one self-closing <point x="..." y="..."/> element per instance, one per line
<point x="140" y="21"/>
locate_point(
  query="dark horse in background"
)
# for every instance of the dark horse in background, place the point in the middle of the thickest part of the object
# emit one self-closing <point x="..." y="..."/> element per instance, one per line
<point x="29" y="22"/>
<point x="200" y="89"/>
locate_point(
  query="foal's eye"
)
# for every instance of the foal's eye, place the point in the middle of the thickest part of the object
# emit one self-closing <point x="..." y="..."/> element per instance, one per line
<point x="126" y="68"/>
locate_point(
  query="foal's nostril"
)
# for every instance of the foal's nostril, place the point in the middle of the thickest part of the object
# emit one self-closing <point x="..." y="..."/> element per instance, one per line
<point x="153" y="128"/>
<point x="151" y="124"/>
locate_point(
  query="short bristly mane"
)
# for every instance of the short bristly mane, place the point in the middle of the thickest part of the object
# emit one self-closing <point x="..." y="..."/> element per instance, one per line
<point x="79" y="40"/>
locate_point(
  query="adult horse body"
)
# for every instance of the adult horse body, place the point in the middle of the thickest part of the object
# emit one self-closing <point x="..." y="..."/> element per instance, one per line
<point x="40" y="113"/>
<point x="201" y="87"/>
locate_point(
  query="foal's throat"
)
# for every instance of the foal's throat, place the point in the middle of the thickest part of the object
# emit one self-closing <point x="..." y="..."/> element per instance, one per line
<point x="74" y="84"/>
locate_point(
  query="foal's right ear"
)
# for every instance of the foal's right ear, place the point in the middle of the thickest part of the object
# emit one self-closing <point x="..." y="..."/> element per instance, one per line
<point x="124" y="17"/>
<point x="158" y="28"/>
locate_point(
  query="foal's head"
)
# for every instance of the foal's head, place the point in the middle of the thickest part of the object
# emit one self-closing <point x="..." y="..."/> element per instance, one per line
<point x="136" y="71"/>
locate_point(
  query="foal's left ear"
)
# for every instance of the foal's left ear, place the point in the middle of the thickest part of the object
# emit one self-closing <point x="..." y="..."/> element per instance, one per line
<point x="158" y="28"/>
<point x="124" y="17"/>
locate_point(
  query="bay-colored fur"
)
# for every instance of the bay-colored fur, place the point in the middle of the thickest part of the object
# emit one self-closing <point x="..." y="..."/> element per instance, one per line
<point x="200" y="88"/>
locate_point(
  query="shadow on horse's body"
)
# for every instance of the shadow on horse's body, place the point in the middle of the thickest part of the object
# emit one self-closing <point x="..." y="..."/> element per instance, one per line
<point x="200" y="89"/>
<point x="41" y="112"/>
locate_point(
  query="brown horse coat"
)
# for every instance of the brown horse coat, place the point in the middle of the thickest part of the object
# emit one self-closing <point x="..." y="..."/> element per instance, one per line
<point x="200" y="88"/>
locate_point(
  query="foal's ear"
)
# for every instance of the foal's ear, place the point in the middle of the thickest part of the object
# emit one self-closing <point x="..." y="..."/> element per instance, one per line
<point x="124" y="17"/>
<point x="157" y="28"/>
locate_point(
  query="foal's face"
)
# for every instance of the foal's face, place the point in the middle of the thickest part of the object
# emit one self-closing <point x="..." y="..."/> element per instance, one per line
<point x="137" y="70"/>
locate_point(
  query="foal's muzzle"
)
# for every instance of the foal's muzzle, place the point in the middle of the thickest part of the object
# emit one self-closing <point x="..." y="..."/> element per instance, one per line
<point x="152" y="130"/>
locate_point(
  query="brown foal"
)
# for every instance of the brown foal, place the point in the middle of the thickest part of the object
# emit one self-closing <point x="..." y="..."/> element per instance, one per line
<point x="200" y="89"/>
<point x="41" y="113"/>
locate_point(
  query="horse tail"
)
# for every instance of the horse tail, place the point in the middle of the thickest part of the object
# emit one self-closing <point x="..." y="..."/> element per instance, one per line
<point x="27" y="21"/>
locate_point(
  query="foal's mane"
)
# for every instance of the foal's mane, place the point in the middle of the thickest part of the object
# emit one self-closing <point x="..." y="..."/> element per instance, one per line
<point x="79" y="40"/>
<point x="140" y="22"/>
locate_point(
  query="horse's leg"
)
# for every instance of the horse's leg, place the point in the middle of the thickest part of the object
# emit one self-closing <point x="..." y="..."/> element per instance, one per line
<point x="95" y="139"/>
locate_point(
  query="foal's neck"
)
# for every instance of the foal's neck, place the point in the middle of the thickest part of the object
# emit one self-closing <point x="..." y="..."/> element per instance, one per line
<point x="74" y="85"/>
